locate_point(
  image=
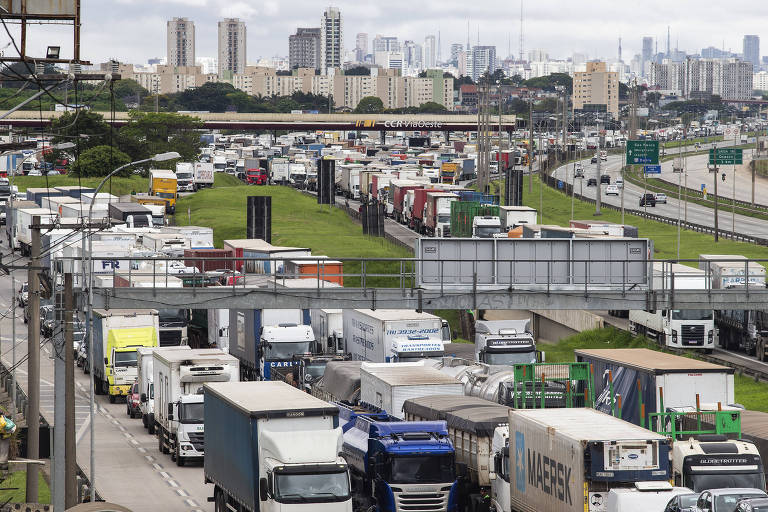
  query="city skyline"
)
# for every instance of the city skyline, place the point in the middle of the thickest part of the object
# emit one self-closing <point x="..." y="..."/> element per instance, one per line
<point x="269" y="25"/>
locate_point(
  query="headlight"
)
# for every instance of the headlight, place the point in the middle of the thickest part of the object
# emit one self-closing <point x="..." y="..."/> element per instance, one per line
<point x="674" y="336"/>
<point x="186" y="447"/>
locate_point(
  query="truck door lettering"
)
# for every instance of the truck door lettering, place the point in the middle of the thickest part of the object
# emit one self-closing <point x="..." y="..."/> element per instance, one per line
<point x="545" y="482"/>
<point x="549" y="475"/>
<point x="559" y="481"/>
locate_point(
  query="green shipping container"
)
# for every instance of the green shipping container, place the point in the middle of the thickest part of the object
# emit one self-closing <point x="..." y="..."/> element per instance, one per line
<point x="462" y="214"/>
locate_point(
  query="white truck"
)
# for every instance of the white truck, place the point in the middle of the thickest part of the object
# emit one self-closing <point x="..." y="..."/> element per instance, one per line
<point x="23" y="218"/>
<point x="279" y="170"/>
<point x="280" y="344"/>
<point x="179" y="376"/>
<point x="486" y="226"/>
<point x="504" y="342"/>
<point x="327" y="325"/>
<point x="392" y="335"/>
<point x="692" y="328"/>
<point x="277" y="449"/>
<point x="513" y="216"/>
<point x="219" y="163"/>
<point x="203" y="177"/>
<point x="145" y="379"/>
<point x="185" y="177"/>
<point x="297" y="174"/>
<point x="350" y="181"/>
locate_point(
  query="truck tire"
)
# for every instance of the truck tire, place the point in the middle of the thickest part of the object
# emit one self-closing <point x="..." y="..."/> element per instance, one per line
<point x="219" y="501"/>
<point x="760" y="349"/>
<point x="179" y="458"/>
<point x="144" y="420"/>
<point x="151" y="425"/>
<point x="160" y="442"/>
<point x="112" y="399"/>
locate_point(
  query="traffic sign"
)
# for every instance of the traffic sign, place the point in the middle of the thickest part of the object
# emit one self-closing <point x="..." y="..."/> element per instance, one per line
<point x="652" y="169"/>
<point x="726" y="156"/>
<point x="642" y="152"/>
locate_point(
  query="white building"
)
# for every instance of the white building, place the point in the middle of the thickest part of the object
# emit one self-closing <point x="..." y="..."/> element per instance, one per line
<point x="731" y="79"/>
<point x="331" y="39"/>
<point x="430" y="49"/>
<point x="180" y="42"/>
<point x="760" y="81"/>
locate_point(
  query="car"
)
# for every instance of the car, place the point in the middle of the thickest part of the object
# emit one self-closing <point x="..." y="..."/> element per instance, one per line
<point x="619" y="182"/>
<point x="605" y="179"/>
<point x="82" y="356"/>
<point x="752" y="505"/>
<point x="648" y="200"/>
<point x="604" y="156"/>
<point x="133" y="400"/>
<point x="592" y="182"/>
<point x="661" y="198"/>
<point x="23" y="295"/>
<point x="725" y="500"/>
<point x="611" y="190"/>
<point x="594" y="160"/>
<point x="47" y="320"/>
<point x="34" y="172"/>
<point x="682" y="502"/>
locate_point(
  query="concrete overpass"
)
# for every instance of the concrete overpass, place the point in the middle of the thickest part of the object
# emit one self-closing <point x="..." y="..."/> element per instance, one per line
<point x="297" y="122"/>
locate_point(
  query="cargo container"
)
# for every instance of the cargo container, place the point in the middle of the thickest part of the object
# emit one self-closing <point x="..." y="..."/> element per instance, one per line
<point x="145" y="379"/>
<point x="388" y="385"/>
<point x="399" y="188"/>
<point x="36" y="195"/>
<point x="277" y="448"/>
<point x="449" y="172"/>
<point x="75" y="212"/>
<point x="379" y="186"/>
<point x="418" y="208"/>
<point x="169" y="243"/>
<point x="199" y="237"/>
<point x="280" y="170"/>
<point x="473" y="195"/>
<point x="102" y="198"/>
<point x="514" y="216"/>
<point x="218" y="261"/>
<point x="567" y="460"/>
<point x="437" y="219"/>
<point x="133" y="214"/>
<point x="327" y="326"/>
<point x="605" y="228"/>
<point x="259" y="249"/>
<point x="23" y="219"/>
<point x="203" y="175"/>
<point x="463" y="213"/>
<point x="638" y="374"/>
<point x="323" y="269"/>
<point x="162" y="184"/>
<point x="54" y="203"/>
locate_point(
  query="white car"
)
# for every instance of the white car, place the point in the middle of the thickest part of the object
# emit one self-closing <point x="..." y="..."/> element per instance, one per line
<point x="611" y="190"/>
<point x="661" y="198"/>
<point x="34" y="172"/>
<point x="619" y="182"/>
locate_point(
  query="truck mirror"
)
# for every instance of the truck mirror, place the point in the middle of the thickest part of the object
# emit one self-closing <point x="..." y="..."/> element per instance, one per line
<point x="541" y="356"/>
<point x="143" y="397"/>
<point x="106" y="360"/>
<point x="330" y="342"/>
<point x="170" y="411"/>
<point x="263" y="489"/>
<point x="663" y="312"/>
<point x="461" y="470"/>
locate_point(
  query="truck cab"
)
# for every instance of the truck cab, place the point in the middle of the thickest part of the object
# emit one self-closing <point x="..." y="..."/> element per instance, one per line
<point x="485" y="226"/>
<point x="188" y="415"/>
<point x="256" y="177"/>
<point x="713" y="461"/>
<point x="163" y="184"/>
<point x="185" y="177"/>
<point x="174" y="325"/>
<point x="501" y="470"/>
<point x="120" y="358"/>
<point x="504" y="342"/>
<point x="279" y="344"/>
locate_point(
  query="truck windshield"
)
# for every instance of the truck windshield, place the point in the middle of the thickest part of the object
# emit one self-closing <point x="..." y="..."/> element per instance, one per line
<point x="191" y="413"/>
<point x="166" y="195"/>
<point x="421" y="469"/>
<point x="509" y="358"/>
<point x="315" y="371"/>
<point x="443" y="219"/>
<point x="311" y="487"/>
<point x="720" y="480"/>
<point x="692" y="314"/>
<point x="125" y="358"/>
<point x="285" y="350"/>
<point x="183" y="175"/>
<point x="172" y="315"/>
<point x="486" y="231"/>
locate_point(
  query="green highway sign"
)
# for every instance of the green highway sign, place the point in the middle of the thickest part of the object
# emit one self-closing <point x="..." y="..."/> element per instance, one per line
<point x="726" y="156"/>
<point x="642" y="152"/>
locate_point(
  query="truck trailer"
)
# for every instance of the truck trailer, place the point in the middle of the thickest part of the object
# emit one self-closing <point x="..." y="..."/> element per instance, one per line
<point x="277" y="448"/>
<point x="146" y="379"/>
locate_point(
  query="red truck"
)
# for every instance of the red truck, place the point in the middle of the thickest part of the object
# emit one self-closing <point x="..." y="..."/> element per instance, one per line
<point x="397" y="190"/>
<point x="418" y="208"/>
<point x="437" y="218"/>
<point x="256" y="177"/>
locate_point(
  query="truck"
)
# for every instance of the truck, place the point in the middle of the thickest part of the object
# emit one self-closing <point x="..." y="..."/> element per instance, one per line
<point x="567" y="460"/>
<point x="133" y="214"/>
<point x="738" y="329"/>
<point x="449" y="172"/>
<point x="117" y="334"/>
<point x="397" y="465"/>
<point x="393" y="335"/>
<point x="22" y="219"/>
<point x="203" y="175"/>
<point x="185" y="177"/>
<point x="174" y="325"/>
<point x="179" y="377"/>
<point x="162" y="184"/>
<point x="308" y="370"/>
<point x="463" y="214"/>
<point x="398" y="191"/>
<point x="437" y="218"/>
<point x="327" y="325"/>
<point x="277" y="448"/>
<point x="350" y="181"/>
<point x="297" y="174"/>
<point x="248" y="344"/>
<point x="145" y="379"/>
<point x="504" y="342"/>
<point x="256" y="176"/>
<point x="513" y="216"/>
<point x="418" y="208"/>
<point x="480" y="429"/>
<point x="675" y="328"/>
<point x="280" y="170"/>
<point x="219" y="163"/>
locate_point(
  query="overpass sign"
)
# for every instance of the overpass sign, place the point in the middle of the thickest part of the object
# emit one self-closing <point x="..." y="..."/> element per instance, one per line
<point x="642" y="152"/>
<point x="726" y="156"/>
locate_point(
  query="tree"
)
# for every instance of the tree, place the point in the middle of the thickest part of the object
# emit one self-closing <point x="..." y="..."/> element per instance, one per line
<point x="147" y="134"/>
<point x="462" y="80"/>
<point x="549" y="82"/>
<point x="370" y="105"/>
<point x="128" y="87"/>
<point x="431" y="107"/>
<point x="87" y="129"/>
<point x="358" y="71"/>
<point x="211" y="96"/>
<point x="100" y="161"/>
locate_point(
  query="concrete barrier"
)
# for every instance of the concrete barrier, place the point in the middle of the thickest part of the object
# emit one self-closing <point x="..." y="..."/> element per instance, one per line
<point x="552" y="325"/>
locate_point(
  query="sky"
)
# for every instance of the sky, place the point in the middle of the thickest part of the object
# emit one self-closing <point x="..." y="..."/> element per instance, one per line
<point x="135" y="30"/>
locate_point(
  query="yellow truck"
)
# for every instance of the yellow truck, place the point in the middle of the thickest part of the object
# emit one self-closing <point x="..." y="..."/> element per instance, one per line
<point x="448" y="172"/>
<point x="162" y="183"/>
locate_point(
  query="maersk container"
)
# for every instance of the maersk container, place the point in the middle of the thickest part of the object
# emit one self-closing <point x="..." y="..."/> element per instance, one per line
<point x="566" y="460"/>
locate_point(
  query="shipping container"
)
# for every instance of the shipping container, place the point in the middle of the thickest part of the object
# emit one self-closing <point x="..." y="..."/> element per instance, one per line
<point x="437" y="220"/>
<point x="200" y="237"/>
<point x="726" y="274"/>
<point x="464" y="212"/>
<point x="36" y="195"/>
<point x="322" y="269"/>
<point x="256" y="249"/>
<point x="419" y="208"/>
<point x="206" y="265"/>
<point x="398" y="190"/>
<point x="514" y="216"/>
<point x="54" y="203"/>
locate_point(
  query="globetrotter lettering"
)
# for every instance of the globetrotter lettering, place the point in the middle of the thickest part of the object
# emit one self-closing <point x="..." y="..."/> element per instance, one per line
<point x="552" y="477"/>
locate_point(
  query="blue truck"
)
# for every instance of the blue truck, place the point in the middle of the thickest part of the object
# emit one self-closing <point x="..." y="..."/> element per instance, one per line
<point x="396" y="465"/>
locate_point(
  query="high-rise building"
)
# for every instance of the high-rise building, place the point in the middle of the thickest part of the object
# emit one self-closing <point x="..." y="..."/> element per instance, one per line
<point x="456" y="49"/>
<point x="304" y="48"/>
<point x="412" y="55"/>
<point x="752" y="50"/>
<point x="596" y="89"/>
<point x="332" y="43"/>
<point x="482" y="59"/>
<point x="647" y="54"/>
<point x="430" y="50"/>
<point x="731" y="79"/>
<point x="181" y="42"/>
<point x="231" y="46"/>
<point x="538" y="55"/>
<point x="385" y="44"/>
<point x="361" y="46"/>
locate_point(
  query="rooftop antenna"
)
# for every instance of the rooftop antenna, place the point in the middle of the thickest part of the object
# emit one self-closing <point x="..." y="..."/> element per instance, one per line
<point x="521" y="30"/>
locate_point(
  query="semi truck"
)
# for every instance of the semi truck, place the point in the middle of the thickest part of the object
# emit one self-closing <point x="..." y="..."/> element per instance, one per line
<point x="327" y="325"/>
<point x="162" y="184"/>
<point x="277" y="448"/>
<point x="117" y="333"/>
<point x="203" y="175"/>
<point x="133" y="214"/>
<point x="146" y="379"/>
<point x="179" y="376"/>
<point x="567" y="460"/>
<point x="417" y="208"/>
<point x="185" y="177"/>
<point x="174" y="325"/>
<point x="513" y="216"/>
<point x="675" y="328"/>
<point x="437" y="217"/>
<point x="504" y="342"/>
<point x="479" y="429"/>
<point x="393" y="335"/>
<point x="22" y="218"/>
<point x="397" y="465"/>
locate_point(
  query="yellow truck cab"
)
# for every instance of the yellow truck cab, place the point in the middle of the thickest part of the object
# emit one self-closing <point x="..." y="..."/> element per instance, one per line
<point x="120" y="357"/>
<point x="162" y="183"/>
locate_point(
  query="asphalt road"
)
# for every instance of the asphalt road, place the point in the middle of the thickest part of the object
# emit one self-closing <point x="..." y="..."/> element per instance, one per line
<point x="129" y="469"/>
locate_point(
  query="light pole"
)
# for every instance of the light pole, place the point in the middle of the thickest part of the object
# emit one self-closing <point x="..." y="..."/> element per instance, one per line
<point x="161" y="157"/>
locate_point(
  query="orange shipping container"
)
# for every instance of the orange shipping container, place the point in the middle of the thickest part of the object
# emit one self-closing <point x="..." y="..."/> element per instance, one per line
<point x="325" y="270"/>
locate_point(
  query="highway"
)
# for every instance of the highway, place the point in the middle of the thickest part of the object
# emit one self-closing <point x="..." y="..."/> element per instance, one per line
<point x="129" y="469"/>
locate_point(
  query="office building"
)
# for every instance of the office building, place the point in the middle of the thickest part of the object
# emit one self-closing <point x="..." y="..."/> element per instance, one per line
<point x="385" y="44"/>
<point x="752" y="51"/>
<point x="456" y="49"/>
<point x="647" y="53"/>
<point x="232" y="43"/>
<point x="430" y="50"/>
<point x="361" y="46"/>
<point x="413" y="55"/>
<point x="181" y="42"/>
<point x="332" y="43"/>
<point x="596" y="89"/>
<point x="304" y="48"/>
<point x="482" y="60"/>
<point x="731" y="79"/>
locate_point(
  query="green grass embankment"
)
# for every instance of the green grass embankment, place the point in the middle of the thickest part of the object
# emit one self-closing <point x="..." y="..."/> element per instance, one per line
<point x="116" y="186"/>
<point x="14" y="489"/>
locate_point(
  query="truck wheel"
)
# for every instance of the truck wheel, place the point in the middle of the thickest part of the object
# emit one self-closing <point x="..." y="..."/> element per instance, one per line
<point x="760" y="349"/>
<point x="218" y="499"/>
<point x="179" y="458"/>
<point x="112" y="399"/>
<point x="160" y="442"/>
<point x="144" y="420"/>
<point x="151" y="426"/>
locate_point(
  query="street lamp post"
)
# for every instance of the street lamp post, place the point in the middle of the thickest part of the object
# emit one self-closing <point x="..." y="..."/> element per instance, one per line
<point x="161" y="157"/>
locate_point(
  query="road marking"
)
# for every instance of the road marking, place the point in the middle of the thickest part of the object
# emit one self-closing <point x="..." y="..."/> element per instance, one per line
<point x="134" y="442"/>
<point x="191" y="503"/>
<point x="164" y="474"/>
<point x="141" y="449"/>
<point x="182" y="492"/>
<point x="172" y="483"/>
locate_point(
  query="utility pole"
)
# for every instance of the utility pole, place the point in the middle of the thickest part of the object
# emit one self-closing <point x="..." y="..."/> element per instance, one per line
<point x="565" y="123"/>
<point x="14" y="407"/>
<point x="717" y="231"/>
<point x="70" y="456"/>
<point x="33" y="366"/>
<point x="599" y="185"/>
<point x="530" y="140"/>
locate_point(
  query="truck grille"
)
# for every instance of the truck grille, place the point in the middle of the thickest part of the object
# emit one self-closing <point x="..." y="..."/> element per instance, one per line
<point x="410" y="501"/>
<point x="692" y="335"/>
<point x="197" y="439"/>
<point x="170" y="338"/>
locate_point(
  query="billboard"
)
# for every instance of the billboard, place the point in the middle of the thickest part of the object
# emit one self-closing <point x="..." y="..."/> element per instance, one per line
<point x="39" y="7"/>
